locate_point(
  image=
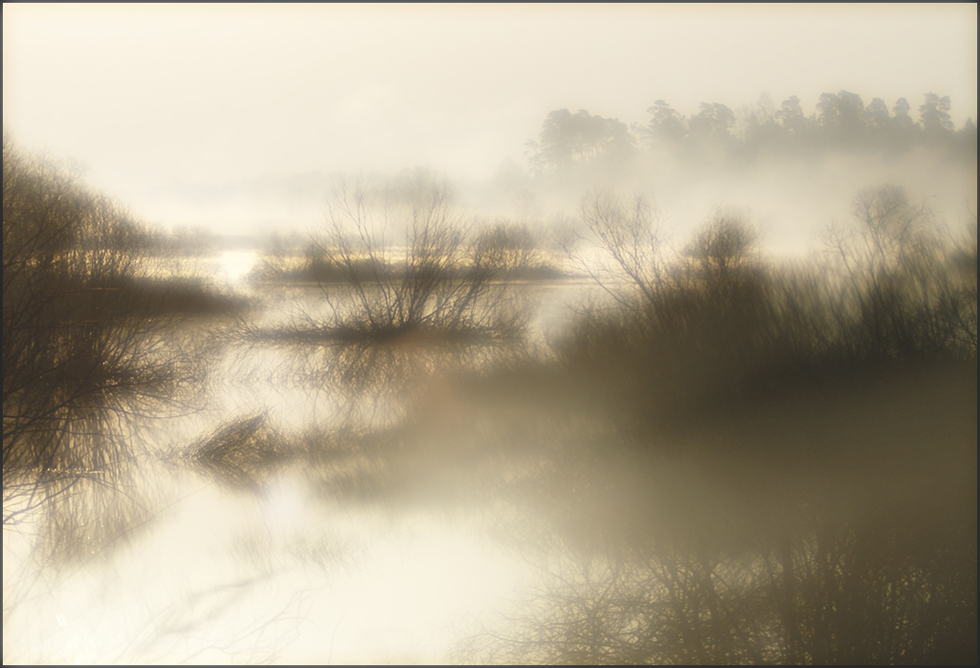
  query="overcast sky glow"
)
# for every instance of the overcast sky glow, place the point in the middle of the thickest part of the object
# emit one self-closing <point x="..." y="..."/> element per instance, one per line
<point x="156" y="98"/>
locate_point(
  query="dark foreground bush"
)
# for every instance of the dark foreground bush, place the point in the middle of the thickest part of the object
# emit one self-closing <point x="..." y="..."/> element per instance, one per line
<point x="752" y="465"/>
<point x="878" y="591"/>
<point x="834" y="523"/>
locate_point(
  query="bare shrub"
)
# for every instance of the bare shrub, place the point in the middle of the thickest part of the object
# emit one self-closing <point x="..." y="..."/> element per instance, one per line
<point x="629" y="236"/>
<point x="901" y="292"/>
<point x="394" y="262"/>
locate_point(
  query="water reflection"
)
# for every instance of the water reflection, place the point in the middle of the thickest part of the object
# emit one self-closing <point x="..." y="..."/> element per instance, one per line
<point x="724" y="462"/>
<point x="279" y="576"/>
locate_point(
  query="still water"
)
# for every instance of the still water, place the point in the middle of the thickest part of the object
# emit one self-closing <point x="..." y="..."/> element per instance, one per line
<point x="278" y="572"/>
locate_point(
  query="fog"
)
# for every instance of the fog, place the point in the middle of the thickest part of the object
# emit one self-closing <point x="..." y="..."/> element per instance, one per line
<point x="490" y="334"/>
<point x="227" y="118"/>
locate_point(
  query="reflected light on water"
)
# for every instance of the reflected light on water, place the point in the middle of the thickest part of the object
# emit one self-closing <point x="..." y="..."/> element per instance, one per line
<point x="277" y="577"/>
<point x="234" y="265"/>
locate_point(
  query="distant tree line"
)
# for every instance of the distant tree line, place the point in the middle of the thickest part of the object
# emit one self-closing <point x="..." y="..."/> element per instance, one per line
<point x="841" y="120"/>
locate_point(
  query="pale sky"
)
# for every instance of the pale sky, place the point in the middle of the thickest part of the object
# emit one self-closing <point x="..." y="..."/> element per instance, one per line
<point x="184" y="112"/>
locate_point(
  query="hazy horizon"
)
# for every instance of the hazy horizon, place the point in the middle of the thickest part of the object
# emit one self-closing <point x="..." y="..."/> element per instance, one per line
<point x="232" y="118"/>
<point x="494" y="334"/>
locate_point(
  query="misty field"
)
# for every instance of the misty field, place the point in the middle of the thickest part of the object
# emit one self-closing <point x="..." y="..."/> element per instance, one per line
<point x="419" y="435"/>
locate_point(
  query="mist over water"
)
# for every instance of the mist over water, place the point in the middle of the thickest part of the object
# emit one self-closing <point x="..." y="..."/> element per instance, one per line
<point x="419" y="440"/>
<point x="687" y="378"/>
